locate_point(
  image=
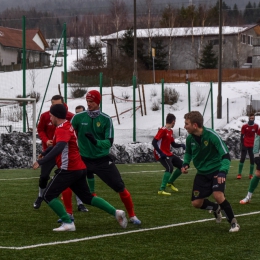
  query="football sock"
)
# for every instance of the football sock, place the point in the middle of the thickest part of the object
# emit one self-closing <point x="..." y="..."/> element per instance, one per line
<point x="104" y="205"/>
<point x="127" y="200"/>
<point x="226" y="207"/>
<point x="174" y="176"/>
<point x="91" y="184"/>
<point x="253" y="184"/>
<point x="165" y="180"/>
<point x="59" y="209"/>
<point x="41" y="191"/>
<point x="251" y="171"/>
<point x="78" y="200"/>
<point x="240" y="168"/>
<point x="208" y="205"/>
<point x="67" y="200"/>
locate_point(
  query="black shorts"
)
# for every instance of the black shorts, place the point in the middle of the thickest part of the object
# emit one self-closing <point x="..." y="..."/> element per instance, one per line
<point x="257" y="162"/>
<point x="205" y="185"/>
<point x="106" y="170"/>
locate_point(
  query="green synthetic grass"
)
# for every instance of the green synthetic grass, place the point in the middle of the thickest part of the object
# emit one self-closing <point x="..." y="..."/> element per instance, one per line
<point x="171" y="228"/>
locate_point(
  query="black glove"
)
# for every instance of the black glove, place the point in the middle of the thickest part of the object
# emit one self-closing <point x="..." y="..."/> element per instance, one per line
<point x="183" y="146"/>
<point x="91" y="138"/>
<point x="162" y="155"/>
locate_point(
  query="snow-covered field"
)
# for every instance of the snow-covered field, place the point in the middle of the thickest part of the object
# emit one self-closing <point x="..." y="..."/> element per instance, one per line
<point x="239" y="94"/>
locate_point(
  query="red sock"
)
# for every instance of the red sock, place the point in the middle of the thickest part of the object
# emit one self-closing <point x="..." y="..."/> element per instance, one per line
<point x="127" y="200"/>
<point x="67" y="200"/>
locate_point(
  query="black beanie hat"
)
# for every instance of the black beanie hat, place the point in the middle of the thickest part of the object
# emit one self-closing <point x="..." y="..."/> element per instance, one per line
<point x="59" y="110"/>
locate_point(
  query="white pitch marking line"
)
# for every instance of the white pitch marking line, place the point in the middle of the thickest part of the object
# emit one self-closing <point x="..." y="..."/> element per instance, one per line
<point x="119" y="234"/>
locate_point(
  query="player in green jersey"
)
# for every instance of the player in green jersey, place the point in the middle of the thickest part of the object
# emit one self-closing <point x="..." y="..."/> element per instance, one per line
<point x="211" y="159"/>
<point x="95" y="137"/>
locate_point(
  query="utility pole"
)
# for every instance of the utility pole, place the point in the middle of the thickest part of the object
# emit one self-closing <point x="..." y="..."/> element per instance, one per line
<point x="219" y="100"/>
<point x="135" y="42"/>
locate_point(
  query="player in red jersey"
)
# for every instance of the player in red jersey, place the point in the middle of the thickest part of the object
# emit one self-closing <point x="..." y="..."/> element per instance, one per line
<point x="46" y="131"/>
<point x="162" y="143"/>
<point x="248" y="133"/>
<point x="71" y="172"/>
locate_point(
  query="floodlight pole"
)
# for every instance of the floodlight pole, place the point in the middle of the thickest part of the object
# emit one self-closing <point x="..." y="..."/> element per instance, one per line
<point x="219" y="99"/>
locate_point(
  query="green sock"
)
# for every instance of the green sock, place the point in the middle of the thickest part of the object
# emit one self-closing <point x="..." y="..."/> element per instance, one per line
<point x="251" y="169"/>
<point x="165" y="180"/>
<point x="59" y="209"/>
<point x="240" y="168"/>
<point x="174" y="176"/>
<point x="91" y="184"/>
<point x="104" y="205"/>
<point x="253" y="184"/>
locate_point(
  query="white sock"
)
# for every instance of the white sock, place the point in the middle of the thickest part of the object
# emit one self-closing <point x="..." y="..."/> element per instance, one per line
<point x="41" y="191"/>
<point x="78" y="200"/>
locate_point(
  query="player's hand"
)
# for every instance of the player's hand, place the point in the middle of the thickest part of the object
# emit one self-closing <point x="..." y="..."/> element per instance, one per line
<point x="49" y="143"/>
<point x="221" y="177"/>
<point x="91" y="138"/>
<point x="36" y="165"/>
<point x="40" y="156"/>
<point x="163" y="155"/>
<point x="184" y="168"/>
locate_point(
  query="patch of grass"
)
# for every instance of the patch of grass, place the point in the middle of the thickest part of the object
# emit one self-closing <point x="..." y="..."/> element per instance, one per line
<point x="158" y="238"/>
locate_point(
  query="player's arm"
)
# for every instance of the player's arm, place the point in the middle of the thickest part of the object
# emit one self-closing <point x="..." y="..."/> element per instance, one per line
<point x="175" y="145"/>
<point x="187" y="156"/>
<point x="56" y="150"/>
<point x="256" y="144"/>
<point x="41" y="130"/>
<point x="107" y="142"/>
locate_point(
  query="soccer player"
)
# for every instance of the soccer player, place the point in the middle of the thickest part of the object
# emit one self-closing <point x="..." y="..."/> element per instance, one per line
<point x="255" y="180"/>
<point x="162" y="153"/>
<point x="79" y="109"/>
<point x="211" y="159"/>
<point x="95" y="137"/>
<point x="46" y="131"/>
<point x="248" y="133"/>
<point x="71" y="172"/>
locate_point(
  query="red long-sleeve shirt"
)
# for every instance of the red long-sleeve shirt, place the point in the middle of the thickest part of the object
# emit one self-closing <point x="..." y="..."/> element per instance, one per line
<point x="46" y="129"/>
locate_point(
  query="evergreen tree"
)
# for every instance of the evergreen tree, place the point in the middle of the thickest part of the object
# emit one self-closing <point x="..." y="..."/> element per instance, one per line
<point x="249" y="13"/>
<point x="92" y="59"/>
<point x="126" y="46"/>
<point x="160" y="60"/>
<point x="209" y="59"/>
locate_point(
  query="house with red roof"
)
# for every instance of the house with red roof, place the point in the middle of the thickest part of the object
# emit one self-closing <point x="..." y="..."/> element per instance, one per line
<point x="11" y="47"/>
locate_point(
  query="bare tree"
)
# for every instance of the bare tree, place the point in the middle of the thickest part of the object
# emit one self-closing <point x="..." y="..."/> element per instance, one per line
<point x="169" y="23"/>
<point x="118" y="14"/>
<point x="149" y="20"/>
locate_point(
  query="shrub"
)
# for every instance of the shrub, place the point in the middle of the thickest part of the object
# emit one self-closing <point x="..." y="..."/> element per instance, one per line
<point x="199" y="98"/>
<point x="15" y="114"/>
<point x="171" y="96"/>
<point x="153" y="93"/>
<point x="155" y="106"/>
<point x="125" y="95"/>
<point x="78" y="91"/>
<point x="35" y="95"/>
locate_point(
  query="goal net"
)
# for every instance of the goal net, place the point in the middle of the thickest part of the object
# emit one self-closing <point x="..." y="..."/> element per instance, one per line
<point x="19" y="114"/>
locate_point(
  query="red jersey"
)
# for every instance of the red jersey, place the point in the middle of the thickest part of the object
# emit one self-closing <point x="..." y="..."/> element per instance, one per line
<point x="46" y="129"/>
<point x="249" y="132"/>
<point x="69" y="159"/>
<point x="165" y="138"/>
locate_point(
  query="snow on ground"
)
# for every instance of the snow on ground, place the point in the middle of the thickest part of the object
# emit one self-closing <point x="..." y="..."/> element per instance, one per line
<point x="239" y="94"/>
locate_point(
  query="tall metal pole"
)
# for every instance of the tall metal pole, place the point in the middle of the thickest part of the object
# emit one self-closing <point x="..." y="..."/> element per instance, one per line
<point x="24" y="72"/>
<point x="219" y="100"/>
<point x="135" y="42"/>
<point x="65" y="61"/>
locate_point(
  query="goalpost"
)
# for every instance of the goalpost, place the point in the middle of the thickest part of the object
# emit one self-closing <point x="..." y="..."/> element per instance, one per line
<point x="9" y="123"/>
